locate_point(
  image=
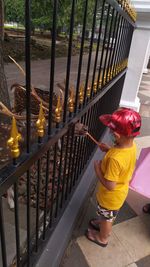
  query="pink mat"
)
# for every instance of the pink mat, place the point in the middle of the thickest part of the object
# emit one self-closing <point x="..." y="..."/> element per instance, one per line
<point x="141" y="177"/>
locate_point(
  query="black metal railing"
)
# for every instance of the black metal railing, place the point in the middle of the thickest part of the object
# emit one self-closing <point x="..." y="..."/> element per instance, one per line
<point x="52" y="167"/>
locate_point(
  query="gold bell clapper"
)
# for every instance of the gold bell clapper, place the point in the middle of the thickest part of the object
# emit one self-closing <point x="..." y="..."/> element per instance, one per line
<point x="41" y="123"/>
<point x="13" y="141"/>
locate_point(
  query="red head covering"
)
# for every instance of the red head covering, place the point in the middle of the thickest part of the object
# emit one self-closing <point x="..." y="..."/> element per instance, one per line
<point x="124" y="121"/>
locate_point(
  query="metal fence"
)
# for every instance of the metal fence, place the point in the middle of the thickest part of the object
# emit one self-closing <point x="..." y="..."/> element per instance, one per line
<point x="54" y="164"/>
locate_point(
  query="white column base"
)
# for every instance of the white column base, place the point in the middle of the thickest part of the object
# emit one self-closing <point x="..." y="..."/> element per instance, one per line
<point x="134" y="105"/>
<point x="145" y="71"/>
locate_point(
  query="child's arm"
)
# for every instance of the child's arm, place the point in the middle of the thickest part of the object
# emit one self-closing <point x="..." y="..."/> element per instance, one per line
<point x="104" y="147"/>
<point x="110" y="185"/>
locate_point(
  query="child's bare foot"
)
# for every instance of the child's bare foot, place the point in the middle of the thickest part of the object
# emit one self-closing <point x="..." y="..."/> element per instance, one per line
<point x="93" y="236"/>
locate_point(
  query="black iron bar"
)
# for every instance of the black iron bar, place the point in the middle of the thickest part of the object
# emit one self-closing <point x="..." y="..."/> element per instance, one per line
<point x="71" y="131"/>
<point x="106" y="70"/>
<point x="120" y="54"/>
<point x="64" y="169"/>
<point x="2" y="236"/>
<point x="17" y="223"/>
<point x="78" y="155"/>
<point x="124" y="39"/>
<point x="52" y="71"/>
<point x="90" y="52"/>
<point x="98" y="46"/>
<point x="119" y="45"/>
<point x="113" y="43"/>
<point x="105" y="38"/>
<point x="89" y="121"/>
<point x="46" y="193"/>
<point x="37" y="204"/>
<point x="53" y="185"/>
<point x="92" y="127"/>
<point x="59" y="177"/>
<point x="97" y="122"/>
<point x="103" y="47"/>
<point x="28" y="219"/>
<point x="83" y="144"/>
<point x="70" y="171"/>
<point x="81" y="56"/>
<point x="116" y="46"/>
<point x="28" y="71"/>
<point x="129" y="38"/>
<point x="69" y="59"/>
<point x="73" y="167"/>
<point x="75" y="160"/>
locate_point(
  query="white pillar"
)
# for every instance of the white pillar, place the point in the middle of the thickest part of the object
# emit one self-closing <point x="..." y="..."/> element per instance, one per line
<point x="137" y="56"/>
<point x="145" y="70"/>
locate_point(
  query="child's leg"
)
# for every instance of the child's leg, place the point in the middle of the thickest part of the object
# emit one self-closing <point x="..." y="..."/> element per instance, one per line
<point x="102" y="235"/>
<point x="105" y="230"/>
<point x="101" y="226"/>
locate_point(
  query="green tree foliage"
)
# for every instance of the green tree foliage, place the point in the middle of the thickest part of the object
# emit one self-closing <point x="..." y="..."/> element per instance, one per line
<point x="42" y="12"/>
<point x="14" y="12"/>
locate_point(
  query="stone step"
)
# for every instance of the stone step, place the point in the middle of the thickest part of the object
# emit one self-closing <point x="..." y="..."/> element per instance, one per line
<point x="83" y="253"/>
<point x="130" y="241"/>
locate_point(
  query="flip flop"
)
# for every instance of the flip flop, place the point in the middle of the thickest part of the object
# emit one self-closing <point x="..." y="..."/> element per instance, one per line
<point x="146" y="208"/>
<point x="93" y="225"/>
<point x="95" y="240"/>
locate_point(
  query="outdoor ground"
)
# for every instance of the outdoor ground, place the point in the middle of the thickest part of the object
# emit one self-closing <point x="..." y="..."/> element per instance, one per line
<point x="14" y="45"/>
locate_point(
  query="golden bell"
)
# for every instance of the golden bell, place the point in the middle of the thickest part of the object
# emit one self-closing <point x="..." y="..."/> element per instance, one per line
<point x="88" y="92"/>
<point x="108" y="75"/>
<point x="13" y="141"/>
<point x="100" y="80"/>
<point x="95" y="87"/>
<point x="71" y="102"/>
<point x="81" y="94"/>
<point x="58" y="111"/>
<point x="40" y="124"/>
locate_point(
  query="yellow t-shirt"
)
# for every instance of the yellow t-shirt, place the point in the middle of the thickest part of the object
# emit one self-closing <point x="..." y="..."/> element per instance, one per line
<point x="117" y="165"/>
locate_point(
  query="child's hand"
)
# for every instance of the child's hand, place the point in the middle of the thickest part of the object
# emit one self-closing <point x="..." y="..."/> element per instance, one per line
<point x="104" y="147"/>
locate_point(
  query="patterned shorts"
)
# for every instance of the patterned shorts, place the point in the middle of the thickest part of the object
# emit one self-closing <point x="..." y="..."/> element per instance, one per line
<point x="108" y="215"/>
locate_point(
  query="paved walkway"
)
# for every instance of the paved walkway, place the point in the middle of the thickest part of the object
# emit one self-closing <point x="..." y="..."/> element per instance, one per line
<point x="130" y="241"/>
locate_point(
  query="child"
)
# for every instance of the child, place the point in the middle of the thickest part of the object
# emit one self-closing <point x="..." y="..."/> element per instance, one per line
<point x="114" y="172"/>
